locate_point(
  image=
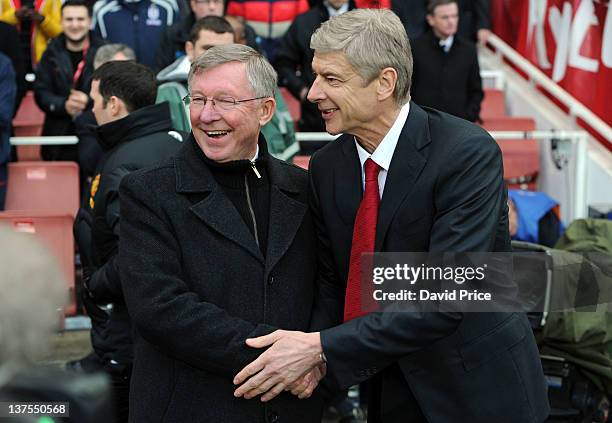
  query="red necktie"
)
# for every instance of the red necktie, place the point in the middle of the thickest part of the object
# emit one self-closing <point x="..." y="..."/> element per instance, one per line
<point x="364" y="235"/>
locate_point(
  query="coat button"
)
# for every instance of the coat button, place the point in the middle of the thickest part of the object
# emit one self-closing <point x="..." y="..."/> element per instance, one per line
<point x="272" y="417"/>
<point x="270" y="280"/>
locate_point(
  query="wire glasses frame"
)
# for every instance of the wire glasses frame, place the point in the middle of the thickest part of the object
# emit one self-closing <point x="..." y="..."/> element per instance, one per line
<point x="222" y="103"/>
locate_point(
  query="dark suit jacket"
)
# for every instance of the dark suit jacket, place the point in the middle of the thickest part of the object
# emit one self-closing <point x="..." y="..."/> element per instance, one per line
<point x="449" y="82"/>
<point x="444" y="193"/>
<point x="197" y="286"/>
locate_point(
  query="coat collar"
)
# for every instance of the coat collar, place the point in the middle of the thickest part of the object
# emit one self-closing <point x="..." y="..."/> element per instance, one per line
<point x="216" y="210"/>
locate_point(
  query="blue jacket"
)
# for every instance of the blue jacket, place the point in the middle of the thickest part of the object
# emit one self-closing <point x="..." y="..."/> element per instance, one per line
<point x="137" y="23"/>
<point x="531" y="206"/>
<point x="8" y="90"/>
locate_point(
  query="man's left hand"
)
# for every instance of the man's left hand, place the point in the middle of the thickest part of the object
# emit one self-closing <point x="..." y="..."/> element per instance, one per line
<point x="292" y="354"/>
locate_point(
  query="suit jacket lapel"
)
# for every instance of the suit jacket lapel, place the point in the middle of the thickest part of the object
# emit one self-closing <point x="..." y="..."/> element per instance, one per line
<point x="407" y="163"/>
<point x="286" y="213"/>
<point x="215" y="210"/>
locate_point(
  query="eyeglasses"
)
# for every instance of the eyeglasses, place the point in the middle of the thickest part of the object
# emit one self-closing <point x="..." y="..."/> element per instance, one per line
<point x="222" y="103"/>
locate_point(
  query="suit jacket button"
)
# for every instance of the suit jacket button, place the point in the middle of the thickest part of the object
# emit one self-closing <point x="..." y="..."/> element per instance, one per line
<point x="270" y="280"/>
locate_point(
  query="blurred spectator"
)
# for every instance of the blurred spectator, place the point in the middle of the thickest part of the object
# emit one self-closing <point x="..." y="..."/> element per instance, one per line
<point x="63" y="77"/>
<point x="172" y="42"/>
<point x="32" y="289"/>
<point x="208" y="32"/>
<point x="89" y="150"/>
<point x="294" y="59"/>
<point x="446" y="72"/>
<point x="8" y="89"/>
<point x="474" y="18"/>
<point x="134" y="132"/>
<point x="534" y="217"/>
<point x="37" y="21"/>
<point x="269" y="18"/>
<point x="136" y="23"/>
<point x="10" y="46"/>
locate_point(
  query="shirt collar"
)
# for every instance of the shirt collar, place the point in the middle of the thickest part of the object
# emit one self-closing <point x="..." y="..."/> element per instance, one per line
<point x="384" y="152"/>
<point x="448" y="43"/>
<point x="333" y="12"/>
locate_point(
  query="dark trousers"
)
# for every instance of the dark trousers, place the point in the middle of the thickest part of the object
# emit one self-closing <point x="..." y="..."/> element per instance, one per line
<point x="120" y="380"/>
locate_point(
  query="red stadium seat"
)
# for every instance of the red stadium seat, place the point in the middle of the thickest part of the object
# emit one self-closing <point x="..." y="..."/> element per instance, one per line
<point x="521" y="156"/>
<point x="43" y="186"/>
<point x="55" y="231"/>
<point x="293" y="105"/>
<point x="29" y="119"/>
<point x="493" y="105"/>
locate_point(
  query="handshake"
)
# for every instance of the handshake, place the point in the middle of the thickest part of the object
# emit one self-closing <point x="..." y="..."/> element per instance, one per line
<point x="294" y="362"/>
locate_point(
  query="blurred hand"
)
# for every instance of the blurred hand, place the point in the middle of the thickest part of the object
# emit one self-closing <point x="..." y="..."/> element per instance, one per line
<point x="76" y="103"/>
<point x="23" y="13"/>
<point x="483" y="35"/>
<point x="36" y="17"/>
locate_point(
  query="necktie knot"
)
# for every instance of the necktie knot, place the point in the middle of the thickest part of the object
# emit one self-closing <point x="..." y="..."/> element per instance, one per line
<point x="371" y="170"/>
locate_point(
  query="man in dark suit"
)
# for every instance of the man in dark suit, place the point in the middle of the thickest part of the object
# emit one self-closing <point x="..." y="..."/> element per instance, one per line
<point x="446" y="72"/>
<point x="440" y="179"/>
<point x="209" y="247"/>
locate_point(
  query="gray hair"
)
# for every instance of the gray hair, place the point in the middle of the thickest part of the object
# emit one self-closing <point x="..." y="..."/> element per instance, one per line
<point x="371" y="40"/>
<point x="33" y="288"/>
<point x="259" y="71"/>
<point x="106" y="53"/>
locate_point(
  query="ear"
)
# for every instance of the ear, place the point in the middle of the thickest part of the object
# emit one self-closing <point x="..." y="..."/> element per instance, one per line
<point x="116" y="107"/>
<point x="189" y="47"/>
<point x="430" y="19"/>
<point x="266" y="110"/>
<point x="386" y="83"/>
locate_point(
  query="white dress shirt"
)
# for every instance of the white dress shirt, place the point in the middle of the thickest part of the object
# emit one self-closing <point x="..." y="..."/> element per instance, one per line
<point x="384" y="152"/>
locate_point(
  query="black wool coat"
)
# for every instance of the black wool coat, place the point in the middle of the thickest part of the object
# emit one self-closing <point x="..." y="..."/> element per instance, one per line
<point x="197" y="286"/>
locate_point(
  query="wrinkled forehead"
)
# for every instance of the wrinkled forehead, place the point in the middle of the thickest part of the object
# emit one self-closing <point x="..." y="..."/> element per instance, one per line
<point x="227" y="78"/>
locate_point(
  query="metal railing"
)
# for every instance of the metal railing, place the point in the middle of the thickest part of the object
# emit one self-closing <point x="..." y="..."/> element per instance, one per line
<point x="575" y="108"/>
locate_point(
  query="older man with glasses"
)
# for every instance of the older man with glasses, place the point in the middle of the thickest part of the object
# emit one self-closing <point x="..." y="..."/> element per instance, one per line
<point x="217" y="245"/>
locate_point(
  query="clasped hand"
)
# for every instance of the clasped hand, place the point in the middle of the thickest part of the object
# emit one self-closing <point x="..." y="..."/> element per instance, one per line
<point x="291" y="363"/>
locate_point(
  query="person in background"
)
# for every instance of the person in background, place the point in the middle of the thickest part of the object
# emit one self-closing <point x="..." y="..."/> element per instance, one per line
<point x="474" y="18"/>
<point x="294" y="58"/>
<point x="446" y="71"/>
<point x="138" y="24"/>
<point x="38" y="22"/>
<point x="89" y="150"/>
<point x="134" y="133"/>
<point x="63" y="77"/>
<point x="269" y="18"/>
<point x="8" y="92"/>
<point x="172" y="42"/>
<point x="11" y="48"/>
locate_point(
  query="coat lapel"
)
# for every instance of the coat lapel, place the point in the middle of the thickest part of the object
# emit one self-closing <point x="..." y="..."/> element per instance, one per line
<point x="215" y="210"/>
<point x="286" y="213"/>
<point x="407" y="163"/>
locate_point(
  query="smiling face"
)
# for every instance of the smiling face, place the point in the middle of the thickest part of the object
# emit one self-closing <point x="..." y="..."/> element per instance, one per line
<point x="228" y="135"/>
<point x="75" y="23"/>
<point x="345" y="102"/>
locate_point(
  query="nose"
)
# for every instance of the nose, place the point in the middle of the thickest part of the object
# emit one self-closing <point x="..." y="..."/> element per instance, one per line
<point x="208" y="113"/>
<point x="315" y="94"/>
